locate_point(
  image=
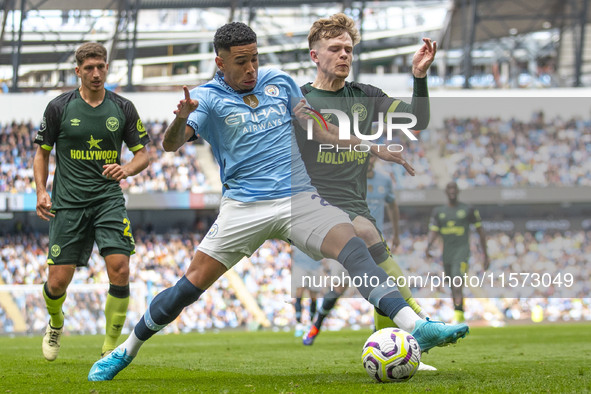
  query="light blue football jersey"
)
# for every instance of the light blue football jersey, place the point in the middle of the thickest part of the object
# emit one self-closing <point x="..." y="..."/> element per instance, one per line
<point x="379" y="192"/>
<point x="251" y="136"/>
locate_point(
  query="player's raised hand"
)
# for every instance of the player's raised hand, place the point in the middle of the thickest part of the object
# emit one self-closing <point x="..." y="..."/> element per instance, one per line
<point x="422" y="59"/>
<point x="396" y="157"/>
<point x="186" y="106"/>
<point x="44" y="206"/>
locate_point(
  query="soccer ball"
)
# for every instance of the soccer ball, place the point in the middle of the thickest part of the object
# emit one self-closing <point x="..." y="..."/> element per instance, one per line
<point x="391" y="355"/>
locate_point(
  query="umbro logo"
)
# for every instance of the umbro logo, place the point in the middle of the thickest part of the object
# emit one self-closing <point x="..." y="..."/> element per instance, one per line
<point x="74" y="122"/>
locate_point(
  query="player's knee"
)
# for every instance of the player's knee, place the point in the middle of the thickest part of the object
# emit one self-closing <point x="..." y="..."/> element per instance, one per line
<point x="118" y="270"/>
<point x="366" y="230"/>
<point x="365" y="233"/>
<point x="56" y="286"/>
<point x="121" y="277"/>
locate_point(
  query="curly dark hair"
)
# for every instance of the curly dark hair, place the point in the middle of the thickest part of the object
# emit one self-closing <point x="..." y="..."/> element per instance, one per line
<point x="233" y="34"/>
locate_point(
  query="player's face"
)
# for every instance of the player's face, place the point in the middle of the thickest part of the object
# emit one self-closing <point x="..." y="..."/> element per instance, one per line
<point x="334" y="56"/>
<point x="451" y="190"/>
<point x="240" y="66"/>
<point x="93" y="73"/>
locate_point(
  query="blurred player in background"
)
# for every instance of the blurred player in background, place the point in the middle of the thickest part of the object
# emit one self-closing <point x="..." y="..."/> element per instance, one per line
<point x="88" y="127"/>
<point x="453" y="221"/>
<point x="343" y="181"/>
<point x="303" y="270"/>
<point x="245" y="114"/>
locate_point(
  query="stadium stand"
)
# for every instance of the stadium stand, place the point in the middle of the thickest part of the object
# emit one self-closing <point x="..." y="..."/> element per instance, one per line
<point x="161" y="259"/>
<point x="473" y="151"/>
<point x="180" y="171"/>
<point x="477" y="151"/>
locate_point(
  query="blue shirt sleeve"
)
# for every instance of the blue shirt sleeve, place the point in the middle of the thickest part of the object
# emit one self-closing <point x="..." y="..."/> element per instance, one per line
<point x="293" y="90"/>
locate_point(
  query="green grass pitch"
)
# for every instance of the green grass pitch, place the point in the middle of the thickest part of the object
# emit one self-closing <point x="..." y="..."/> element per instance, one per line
<point x="531" y="358"/>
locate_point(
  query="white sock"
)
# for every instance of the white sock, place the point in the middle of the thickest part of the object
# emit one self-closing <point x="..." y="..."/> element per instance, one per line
<point x="132" y="344"/>
<point x="423" y="315"/>
<point x="406" y="319"/>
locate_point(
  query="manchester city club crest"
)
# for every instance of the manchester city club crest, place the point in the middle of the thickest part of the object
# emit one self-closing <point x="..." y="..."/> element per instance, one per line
<point x="213" y="231"/>
<point x="272" y="90"/>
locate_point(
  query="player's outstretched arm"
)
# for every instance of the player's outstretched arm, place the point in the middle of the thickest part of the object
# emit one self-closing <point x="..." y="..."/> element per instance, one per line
<point x="41" y="171"/>
<point x="420" y="106"/>
<point x="117" y="172"/>
<point x="178" y="132"/>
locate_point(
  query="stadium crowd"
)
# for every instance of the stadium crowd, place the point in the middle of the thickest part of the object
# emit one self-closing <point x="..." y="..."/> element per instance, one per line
<point x="495" y="152"/>
<point x="179" y="171"/>
<point x="161" y="259"/>
<point x="475" y="151"/>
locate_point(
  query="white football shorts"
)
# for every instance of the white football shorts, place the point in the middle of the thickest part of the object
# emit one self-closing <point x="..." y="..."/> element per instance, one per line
<point x="241" y="227"/>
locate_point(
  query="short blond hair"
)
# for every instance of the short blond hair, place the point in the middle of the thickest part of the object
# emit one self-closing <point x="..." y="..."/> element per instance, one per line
<point x="90" y="50"/>
<point x="332" y="27"/>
